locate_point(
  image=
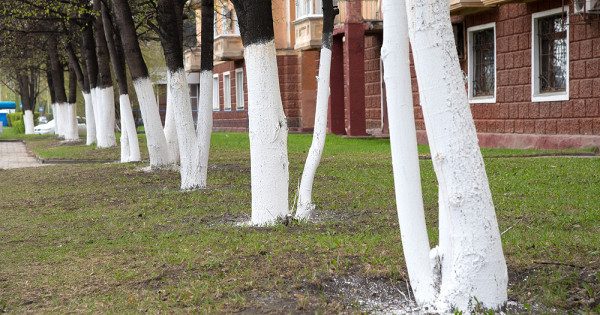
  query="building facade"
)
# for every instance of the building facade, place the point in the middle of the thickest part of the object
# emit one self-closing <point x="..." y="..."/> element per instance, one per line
<point x="532" y="69"/>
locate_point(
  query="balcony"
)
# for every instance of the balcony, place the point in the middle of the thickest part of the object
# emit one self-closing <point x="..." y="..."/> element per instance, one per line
<point x="370" y="11"/>
<point x="229" y="47"/>
<point x="309" y="32"/>
<point x="191" y="60"/>
<point x="464" y="7"/>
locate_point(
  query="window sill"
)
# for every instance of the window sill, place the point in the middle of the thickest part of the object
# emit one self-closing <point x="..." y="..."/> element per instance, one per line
<point x="307" y="17"/>
<point x="550" y="97"/>
<point x="482" y="100"/>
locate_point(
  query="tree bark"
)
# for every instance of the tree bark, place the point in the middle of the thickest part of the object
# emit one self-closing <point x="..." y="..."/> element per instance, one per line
<point x="58" y="85"/>
<point x="70" y="114"/>
<point x="105" y="107"/>
<point x="305" y="206"/>
<point x="205" y="99"/>
<point x="91" y="71"/>
<point x="170" y="22"/>
<point x="156" y="141"/>
<point x="27" y="101"/>
<point x="267" y="123"/>
<point x="473" y="269"/>
<point x="130" y="149"/>
<point x="405" y="156"/>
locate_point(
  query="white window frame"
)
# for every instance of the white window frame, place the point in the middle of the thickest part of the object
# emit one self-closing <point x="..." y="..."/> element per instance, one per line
<point x="480" y="99"/>
<point x="536" y="96"/>
<point x="313" y="8"/>
<point x="216" y="98"/>
<point x="227" y="91"/>
<point x="239" y="90"/>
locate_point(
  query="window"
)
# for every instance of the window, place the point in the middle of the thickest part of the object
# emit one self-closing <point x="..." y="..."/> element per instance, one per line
<point x="550" y="55"/>
<point x="459" y="38"/>
<point x="308" y="7"/>
<point x="227" y="91"/>
<point x="239" y="89"/>
<point x="194" y="98"/>
<point x="216" y="101"/>
<point x="482" y="63"/>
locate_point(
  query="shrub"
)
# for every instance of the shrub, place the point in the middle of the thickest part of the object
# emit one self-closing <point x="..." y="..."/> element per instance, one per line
<point x="12" y="118"/>
<point x="18" y="126"/>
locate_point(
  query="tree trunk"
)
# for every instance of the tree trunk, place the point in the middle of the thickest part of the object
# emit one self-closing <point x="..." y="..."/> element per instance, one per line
<point x="91" y="68"/>
<point x="156" y="141"/>
<point x="267" y="123"/>
<point x="105" y="107"/>
<point x="205" y="99"/>
<point x="27" y="101"/>
<point x="70" y="115"/>
<point x="305" y="206"/>
<point x="58" y="86"/>
<point x="170" y="128"/>
<point x="405" y="156"/>
<point x="170" y="21"/>
<point x="130" y="149"/>
<point x="472" y="263"/>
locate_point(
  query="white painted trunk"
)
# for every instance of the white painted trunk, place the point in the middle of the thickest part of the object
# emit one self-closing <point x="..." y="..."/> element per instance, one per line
<point x="405" y="156"/>
<point x="186" y="132"/>
<point x="105" y="118"/>
<point x="58" y="120"/>
<point x="305" y="206"/>
<point x="155" y="137"/>
<point x="473" y="265"/>
<point x="204" y="123"/>
<point x="28" y="120"/>
<point x="170" y="128"/>
<point x="70" y="122"/>
<point x="130" y="148"/>
<point x="90" y="124"/>
<point x="98" y="108"/>
<point x="268" y="136"/>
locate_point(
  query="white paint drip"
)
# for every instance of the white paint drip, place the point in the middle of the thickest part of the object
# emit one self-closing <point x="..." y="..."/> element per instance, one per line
<point x="105" y="118"/>
<point x="473" y="266"/>
<point x="90" y="124"/>
<point x="156" y="141"/>
<point x="405" y="156"/>
<point x="71" y="130"/>
<point x="204" y="123"/>
<point x="305" y="205"/>
<point x="186" y="132"/>
<point x="268" y="135"/>
<point x="130" y="148"/>
<point x="170" y="128"/>
<point x="28" y="120"/>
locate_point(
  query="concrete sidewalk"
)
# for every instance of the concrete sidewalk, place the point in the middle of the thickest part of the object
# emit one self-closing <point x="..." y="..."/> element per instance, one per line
<point x="14" y="155"/>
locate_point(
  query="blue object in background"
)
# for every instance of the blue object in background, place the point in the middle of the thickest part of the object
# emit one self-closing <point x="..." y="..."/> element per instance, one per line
<point x="5" y="109"/>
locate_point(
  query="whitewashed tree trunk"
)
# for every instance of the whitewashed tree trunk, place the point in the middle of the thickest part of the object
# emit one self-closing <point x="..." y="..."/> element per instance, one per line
<point x="405" y="156"/>
<point x="305" y="206"/>
<point x="130" y="150"/>
<point x="204" y="123"/>
<point x="28" y="120"/>
<point x="71" y="128"/>
<point x="105" y="117"/>
<point x="97" y="109"/>
<point x="170" y="128"/>
<point x="186" y="132"/>
<point x="155" y="137"/>
<point x="268" y="135"/>
<point x="90" y="123"/>
<point x="473" y="266"/>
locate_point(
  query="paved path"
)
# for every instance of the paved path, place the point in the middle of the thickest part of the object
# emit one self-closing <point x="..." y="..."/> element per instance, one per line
<point x="14" y="155"/>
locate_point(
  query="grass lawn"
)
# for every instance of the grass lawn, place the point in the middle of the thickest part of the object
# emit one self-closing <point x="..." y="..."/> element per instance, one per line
<point x="107" y="237"/>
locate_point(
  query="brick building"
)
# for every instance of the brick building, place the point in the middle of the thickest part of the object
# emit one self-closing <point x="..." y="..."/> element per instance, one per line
<point x="532" y="70"/>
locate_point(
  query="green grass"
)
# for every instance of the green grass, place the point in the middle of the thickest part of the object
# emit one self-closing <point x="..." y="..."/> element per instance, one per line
<point x="112" y="238"/>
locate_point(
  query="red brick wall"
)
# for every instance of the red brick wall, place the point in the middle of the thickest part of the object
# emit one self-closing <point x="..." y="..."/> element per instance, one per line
<point x="373" y="82"/>
<point x="514" y="112"/>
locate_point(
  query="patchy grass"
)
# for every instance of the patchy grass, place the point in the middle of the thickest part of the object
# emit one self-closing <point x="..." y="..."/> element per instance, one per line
<point x="108" y="237"/>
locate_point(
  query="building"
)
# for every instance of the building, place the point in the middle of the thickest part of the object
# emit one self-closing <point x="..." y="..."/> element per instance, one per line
<point x="532" y="69"/>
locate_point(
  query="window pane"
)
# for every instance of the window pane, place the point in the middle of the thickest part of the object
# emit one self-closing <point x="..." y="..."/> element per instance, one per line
<point x="216" y="94"/>
<point x="552" y="34"/>
<point x="227" y="92"/>
<point x="484" y="80"/>
<point x="239" y="90"/>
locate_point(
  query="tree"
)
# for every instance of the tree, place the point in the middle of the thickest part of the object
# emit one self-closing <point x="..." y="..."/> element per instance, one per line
<point x="305" y="206"/>
<point x="468" y="269"/>
<point x="170" y="29"/>
<point x="156" y="141"/>
<point x="130" y="149"/>
<point x="88" y="47"/>
<point x="267" y="123"/>
<point x="205" y="99"/>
